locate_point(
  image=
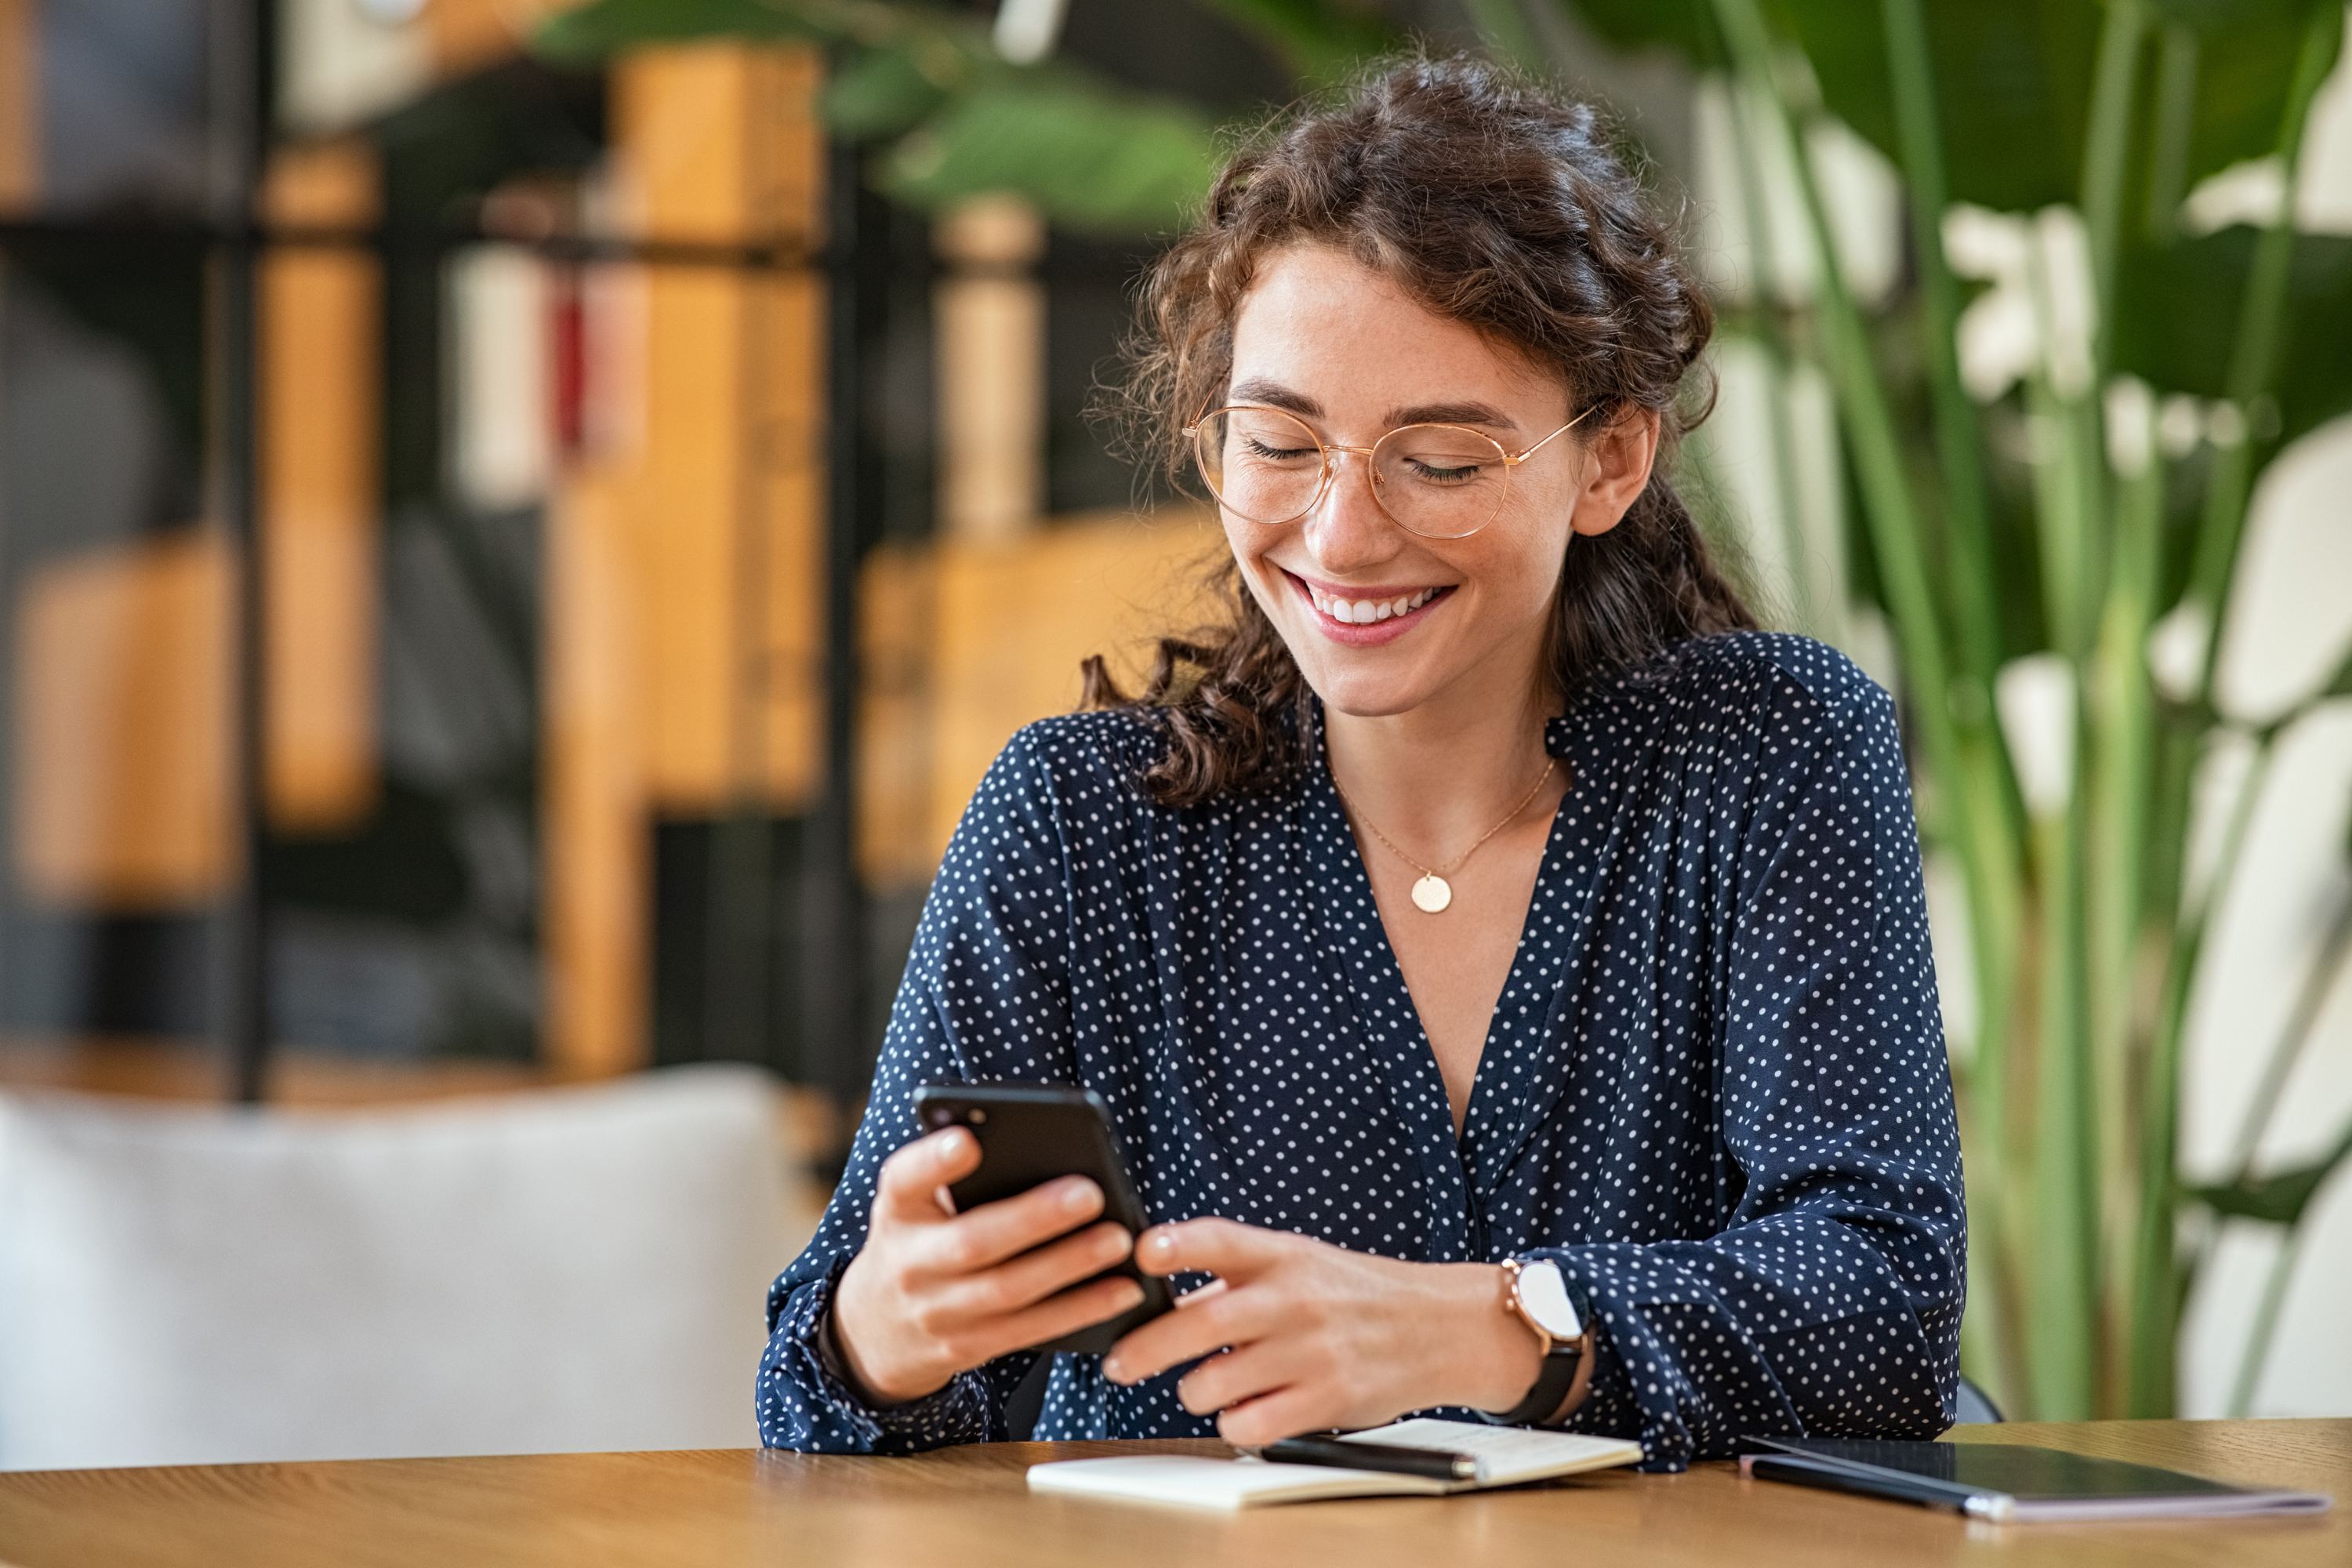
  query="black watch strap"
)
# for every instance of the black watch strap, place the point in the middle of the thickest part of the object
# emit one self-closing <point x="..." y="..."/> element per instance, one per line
<point x="1552" y="1384"/>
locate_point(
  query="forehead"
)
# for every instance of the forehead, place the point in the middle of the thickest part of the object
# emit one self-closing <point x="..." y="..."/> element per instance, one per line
<point x="1314" y="314"/>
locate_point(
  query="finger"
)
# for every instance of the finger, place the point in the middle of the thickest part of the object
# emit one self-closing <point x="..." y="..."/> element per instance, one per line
<point x="1285" y="1413"/>
<point x="1051" y="1320"/>
<point x="1228" y="1318"/>
<point x="1235" y="1378"/>
<point x="1209" y="1292"/>
<point x="1219" y="1246"/>
<point x="1023" y="1282"/>
<point x="993" y="1233"/>
<point x="909" y="1185"/>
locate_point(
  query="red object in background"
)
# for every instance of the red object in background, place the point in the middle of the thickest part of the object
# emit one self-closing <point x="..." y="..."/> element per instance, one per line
<point x="567" y="340"/>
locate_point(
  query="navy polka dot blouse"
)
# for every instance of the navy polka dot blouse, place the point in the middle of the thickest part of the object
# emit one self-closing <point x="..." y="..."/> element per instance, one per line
<point x="1715" y="1089"/>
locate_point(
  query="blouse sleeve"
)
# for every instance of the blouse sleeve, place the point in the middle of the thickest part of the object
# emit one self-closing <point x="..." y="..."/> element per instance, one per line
<point x="985" y="997"/>
<point x="1830" y="1303"/>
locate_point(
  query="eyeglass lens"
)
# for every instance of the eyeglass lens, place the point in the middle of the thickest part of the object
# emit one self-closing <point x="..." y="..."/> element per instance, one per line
<point x="1436" y="480"/>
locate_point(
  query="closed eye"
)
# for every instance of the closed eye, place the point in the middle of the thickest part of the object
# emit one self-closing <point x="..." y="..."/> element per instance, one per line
<point x="1254" y="447"/>
<point x="1451" y="474"/>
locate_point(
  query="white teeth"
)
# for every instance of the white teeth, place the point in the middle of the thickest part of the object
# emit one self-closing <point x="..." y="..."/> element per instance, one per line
<point x="1364" y="612"/>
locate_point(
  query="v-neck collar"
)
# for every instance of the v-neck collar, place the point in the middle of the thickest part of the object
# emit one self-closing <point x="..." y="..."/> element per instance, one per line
<point x="1524" y="1063"/>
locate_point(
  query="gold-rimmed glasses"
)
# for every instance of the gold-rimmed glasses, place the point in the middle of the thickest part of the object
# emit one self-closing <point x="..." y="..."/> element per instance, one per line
<point x="1439" y="482"/>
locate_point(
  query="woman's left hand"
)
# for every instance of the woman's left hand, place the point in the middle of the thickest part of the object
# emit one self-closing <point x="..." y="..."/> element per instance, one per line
<point x="1317" y="1337"/>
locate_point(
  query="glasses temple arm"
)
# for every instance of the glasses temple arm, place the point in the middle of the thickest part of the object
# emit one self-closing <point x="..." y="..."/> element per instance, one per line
<point x="1556" y="435"/>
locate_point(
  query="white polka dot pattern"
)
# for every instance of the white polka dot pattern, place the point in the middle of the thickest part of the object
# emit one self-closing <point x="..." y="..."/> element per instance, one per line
<point x="1714" y="1088"/>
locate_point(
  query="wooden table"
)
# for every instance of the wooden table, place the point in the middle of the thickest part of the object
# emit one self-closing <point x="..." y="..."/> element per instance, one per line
<point x="967" y="1508"/>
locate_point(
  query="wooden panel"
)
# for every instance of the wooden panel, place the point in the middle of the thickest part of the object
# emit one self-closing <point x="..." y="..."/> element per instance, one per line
<point x="20" y="104"/>
<point x="121" y="749"/>
<point x="468" y="35"/>
<point x="598" y="882"/>
<point x="688" y="616"/>
<point x="897" y="606"/>
<point x="681" y="115"/>
<point x="1015" y="619"/>
<point x="991" y="323"/>
<point x="683" y="511"/>
<point x="718" y="143"/>
<point x="322" y="327"/>
<point x="970" y="1506"/>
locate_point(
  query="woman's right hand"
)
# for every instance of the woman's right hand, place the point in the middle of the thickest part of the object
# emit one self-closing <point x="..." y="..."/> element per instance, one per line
<point x="934" y="1292"/>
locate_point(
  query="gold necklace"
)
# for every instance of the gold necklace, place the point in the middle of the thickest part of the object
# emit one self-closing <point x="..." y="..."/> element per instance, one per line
<point x="1433" y="893"/>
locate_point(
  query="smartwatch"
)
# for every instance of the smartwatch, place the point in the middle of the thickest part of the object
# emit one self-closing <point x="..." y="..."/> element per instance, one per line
<point x="1537" y="1294"/>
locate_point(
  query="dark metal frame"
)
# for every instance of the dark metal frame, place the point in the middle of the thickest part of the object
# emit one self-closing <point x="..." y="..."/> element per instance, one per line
<point x="239" y="39"/>
<point x="834" y="935"/>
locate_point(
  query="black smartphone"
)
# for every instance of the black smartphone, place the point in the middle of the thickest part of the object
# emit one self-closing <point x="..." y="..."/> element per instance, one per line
<point x="1031" y="1133"/>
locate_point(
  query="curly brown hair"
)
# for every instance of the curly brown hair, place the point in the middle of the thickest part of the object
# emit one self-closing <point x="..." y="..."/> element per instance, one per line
<point x="1548" y="244"/>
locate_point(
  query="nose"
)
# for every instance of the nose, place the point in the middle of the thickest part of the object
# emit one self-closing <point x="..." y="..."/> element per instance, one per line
<point x="1348" y="531"/>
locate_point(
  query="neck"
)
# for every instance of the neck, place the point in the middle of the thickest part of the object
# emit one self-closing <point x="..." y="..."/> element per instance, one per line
<point x="1436" y="777"/>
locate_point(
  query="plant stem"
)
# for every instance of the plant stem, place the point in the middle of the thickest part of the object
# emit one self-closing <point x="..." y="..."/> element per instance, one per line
<point x="1878" y="458"/>
<point x="1982" y="787"/>
<point x="2176" y="117"/>
<point x="2318" y="984"/>
<point x="2121" y="730"/>
<point x="2065" y="1249"/>
<point x="2266" y="1317"/>
<point x="2262" y="322"/>
<point x="1755" y="201"/>
<point x="2156" y="1278"/>
<point x="1911" y="71"/>
<point x="2105" y="153"/>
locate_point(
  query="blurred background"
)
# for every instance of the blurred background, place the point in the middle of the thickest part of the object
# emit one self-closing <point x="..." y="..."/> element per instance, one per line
<point x="521" y="524"/>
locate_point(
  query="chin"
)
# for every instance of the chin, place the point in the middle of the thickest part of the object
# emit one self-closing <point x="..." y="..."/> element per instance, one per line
<point x="1363" y="694"/>
<point x="1365" y="683"/>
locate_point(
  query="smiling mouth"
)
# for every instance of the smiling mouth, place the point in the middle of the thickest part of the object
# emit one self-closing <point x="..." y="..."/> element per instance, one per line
<point x="1368" y="611"/>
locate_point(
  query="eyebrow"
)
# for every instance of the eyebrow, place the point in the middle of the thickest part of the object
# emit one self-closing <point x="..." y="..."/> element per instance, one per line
<point x="1273" y="394"/>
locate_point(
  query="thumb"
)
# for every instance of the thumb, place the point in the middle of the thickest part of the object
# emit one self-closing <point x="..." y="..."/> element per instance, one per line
<point x="912" y="1184"/>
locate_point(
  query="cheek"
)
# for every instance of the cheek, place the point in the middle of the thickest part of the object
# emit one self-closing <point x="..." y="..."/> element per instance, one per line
<point x="1522" y="568"/>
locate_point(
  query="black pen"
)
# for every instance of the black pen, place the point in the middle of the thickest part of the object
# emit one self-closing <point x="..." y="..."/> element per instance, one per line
<point x="1390" y="1458"/>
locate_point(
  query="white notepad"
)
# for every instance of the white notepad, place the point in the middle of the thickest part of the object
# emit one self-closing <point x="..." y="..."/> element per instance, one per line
<point x="1506" y="1455"/>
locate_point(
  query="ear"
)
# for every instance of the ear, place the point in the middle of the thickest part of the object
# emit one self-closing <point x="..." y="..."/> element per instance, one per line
<point x="1616" y="469"/>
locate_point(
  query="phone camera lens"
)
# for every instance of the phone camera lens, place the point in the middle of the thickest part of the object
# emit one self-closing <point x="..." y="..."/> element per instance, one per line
<point x="941" y="1116"/>
<point x="976" y="1116"/>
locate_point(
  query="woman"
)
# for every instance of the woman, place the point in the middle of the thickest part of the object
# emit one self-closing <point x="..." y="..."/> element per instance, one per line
<point x="1487" y="909"/>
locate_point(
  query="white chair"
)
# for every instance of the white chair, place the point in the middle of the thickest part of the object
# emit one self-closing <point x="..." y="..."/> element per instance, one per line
<point x="567" y="1269"/>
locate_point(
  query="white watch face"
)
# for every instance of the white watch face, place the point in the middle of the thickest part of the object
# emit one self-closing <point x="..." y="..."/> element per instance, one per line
<point x="1543" y="1295"/>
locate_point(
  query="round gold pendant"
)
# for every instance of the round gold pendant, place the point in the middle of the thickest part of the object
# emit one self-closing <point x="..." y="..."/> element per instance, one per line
<point x="1432" y="894"/>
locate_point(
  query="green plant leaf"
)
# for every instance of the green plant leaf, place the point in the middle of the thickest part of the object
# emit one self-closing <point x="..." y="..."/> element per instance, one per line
<point x="1091" y="162"/>
<point x="2176" y="318"/>
<point x="2012" y="78"/>
<point x="2013" y="85"/>
<point x="1686" y="27"/>
<point x="1320" y="40"/>
<point x="881" y="92"/>
<point x="2245" y="56"/>
<point x="2278" y="1199"/>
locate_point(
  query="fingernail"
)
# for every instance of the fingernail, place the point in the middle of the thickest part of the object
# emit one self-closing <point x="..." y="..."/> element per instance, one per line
<point x="1077" y="1192"/>
<point x="1162" y="1245"/>
<point x="1115" y="1369"/>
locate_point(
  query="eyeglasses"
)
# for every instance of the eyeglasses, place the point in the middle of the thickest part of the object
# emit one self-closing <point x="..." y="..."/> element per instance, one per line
<point x="1440" y="481"/>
